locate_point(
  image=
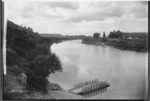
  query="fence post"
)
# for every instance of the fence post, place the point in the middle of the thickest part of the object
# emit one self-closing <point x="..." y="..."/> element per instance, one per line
<point x="85" y="89"/>
<point x="82" y="89"/>
<point x="96" y="86"/>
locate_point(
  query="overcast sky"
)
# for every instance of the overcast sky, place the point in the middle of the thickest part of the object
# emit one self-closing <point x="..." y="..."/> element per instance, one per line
<point x="74" y="18"/>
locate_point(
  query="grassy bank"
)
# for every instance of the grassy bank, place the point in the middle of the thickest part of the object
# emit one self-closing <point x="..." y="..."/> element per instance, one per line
<point x="139" y="45"/>
<point x="128" y="44"/>
<point x="93" y="41"/>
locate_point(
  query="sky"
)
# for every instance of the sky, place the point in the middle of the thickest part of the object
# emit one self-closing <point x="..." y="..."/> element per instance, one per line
<point x="79" y="17"/>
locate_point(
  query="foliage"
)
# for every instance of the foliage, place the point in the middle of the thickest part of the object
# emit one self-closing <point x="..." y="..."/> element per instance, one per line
<point x="138" y="35"/>
<point x="128" y="44"/>
<point x="96" y="35"/>
<point x="119" y="34"/>
<point x="104" y="39"/>
<point x="115" y="34"/>
<point x="49" y="64"/>
<point x="104" y="36"/>
<point x="29" y="53"/>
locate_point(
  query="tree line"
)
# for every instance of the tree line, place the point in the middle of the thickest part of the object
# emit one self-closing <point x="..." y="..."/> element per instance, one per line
<point x="29" y="53"/>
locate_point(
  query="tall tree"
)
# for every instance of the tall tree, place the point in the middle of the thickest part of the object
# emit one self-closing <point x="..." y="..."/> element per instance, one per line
<point x="104" y="36"/>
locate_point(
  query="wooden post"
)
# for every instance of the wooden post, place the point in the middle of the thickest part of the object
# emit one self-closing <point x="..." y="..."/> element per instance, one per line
<point x="92" y="93"/>
<point x="96" y="86"/>
<point x="99" y="91"/>
<point x="85" y="89"/>
<point x="99" y="84"/>
<point x="90" y="87"/>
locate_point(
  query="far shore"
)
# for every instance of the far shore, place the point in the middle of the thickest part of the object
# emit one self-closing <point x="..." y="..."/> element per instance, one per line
<point x="124" y="44"/>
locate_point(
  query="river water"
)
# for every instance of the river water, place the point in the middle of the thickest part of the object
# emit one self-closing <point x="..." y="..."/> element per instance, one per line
<point x="124" y="70"/>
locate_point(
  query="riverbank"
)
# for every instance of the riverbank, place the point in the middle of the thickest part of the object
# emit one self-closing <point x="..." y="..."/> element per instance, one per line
<point x="128" y="44"/>
<point x="15" y="90"/>
<point x="139" y="45"/>
<point x="29" y="63"/>
<point x="54" y="94"/>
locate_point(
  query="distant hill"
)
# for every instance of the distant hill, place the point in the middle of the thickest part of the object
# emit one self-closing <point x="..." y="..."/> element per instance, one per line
<point x="63" y="36"/>
<point x="51" y="35"/>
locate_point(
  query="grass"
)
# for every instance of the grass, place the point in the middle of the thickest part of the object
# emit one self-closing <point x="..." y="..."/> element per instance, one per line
<point x="139" y="45"/>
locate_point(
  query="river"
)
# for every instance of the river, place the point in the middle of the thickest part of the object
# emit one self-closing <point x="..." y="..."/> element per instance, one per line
<point x="124" y="70"/>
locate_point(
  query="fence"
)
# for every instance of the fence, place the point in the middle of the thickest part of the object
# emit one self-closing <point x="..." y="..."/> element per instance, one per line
<point x="90" y="88"/>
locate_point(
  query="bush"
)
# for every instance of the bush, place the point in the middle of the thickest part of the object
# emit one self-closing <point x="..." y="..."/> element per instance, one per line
<point x="29" y="53"/>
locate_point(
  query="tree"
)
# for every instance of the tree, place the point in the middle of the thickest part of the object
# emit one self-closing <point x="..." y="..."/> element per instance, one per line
<point x="96" y="35"/>
<point x="47" y="64"/>
<point x="29" y="53"/>
<point x="104" y="36"/>
<point x="41" y="67"/>
<point x="115" y="34"/>
<point x="104" y="39"/>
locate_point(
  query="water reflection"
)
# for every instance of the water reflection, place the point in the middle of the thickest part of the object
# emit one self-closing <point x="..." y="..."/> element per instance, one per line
<point x="125" y="70"/>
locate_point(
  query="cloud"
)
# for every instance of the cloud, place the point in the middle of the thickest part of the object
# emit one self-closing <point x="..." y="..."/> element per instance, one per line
<point x="85" y="11"/>
<point x="144" y="2"/>
<point x="50" y="10"/>
<point x="66" y="5"/>
<point x="99" y="11"/>
<point x="140" y="11"/>
<point x="27" y="11"/>
<point x="79" y="17"/>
